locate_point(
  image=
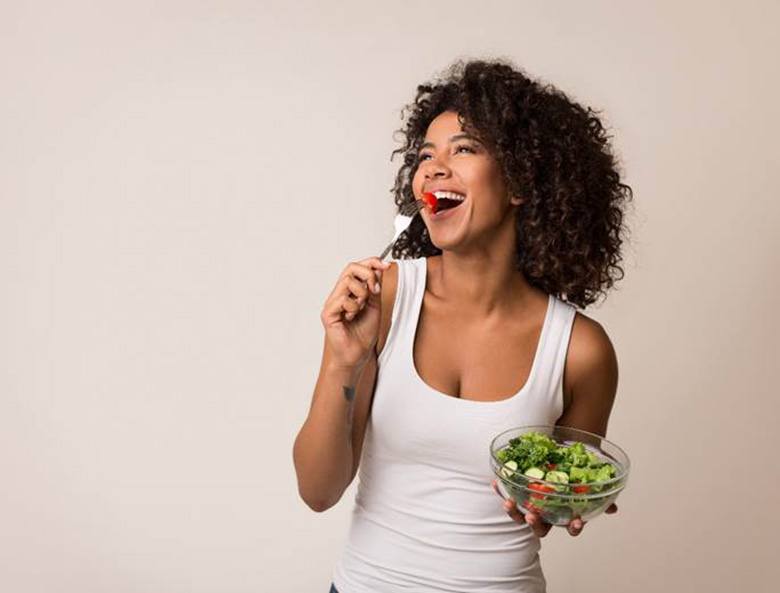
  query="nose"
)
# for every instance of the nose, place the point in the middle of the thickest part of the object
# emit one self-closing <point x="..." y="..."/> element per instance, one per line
<point x="435" y="168"/>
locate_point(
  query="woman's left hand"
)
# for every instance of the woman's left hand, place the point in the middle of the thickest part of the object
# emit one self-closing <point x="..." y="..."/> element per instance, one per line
<point x="541" y="528"/>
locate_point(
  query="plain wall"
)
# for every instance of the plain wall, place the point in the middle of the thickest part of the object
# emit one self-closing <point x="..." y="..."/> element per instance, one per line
<point x="181" y="183"/>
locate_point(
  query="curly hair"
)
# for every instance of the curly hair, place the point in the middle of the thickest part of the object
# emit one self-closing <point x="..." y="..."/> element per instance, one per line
<point x="553" y="152"/>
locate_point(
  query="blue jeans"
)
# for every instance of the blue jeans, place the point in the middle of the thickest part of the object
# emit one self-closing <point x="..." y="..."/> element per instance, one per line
<point x="333" y="589"/>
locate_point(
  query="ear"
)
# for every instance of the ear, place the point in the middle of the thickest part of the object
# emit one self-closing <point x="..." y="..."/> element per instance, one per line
<point x="514" y="200"/>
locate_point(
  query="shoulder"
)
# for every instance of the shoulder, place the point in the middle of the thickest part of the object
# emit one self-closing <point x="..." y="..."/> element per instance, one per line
<point x="589" y="344"/>
<point x="591" y="355"/>
<point x="590" y="374"/>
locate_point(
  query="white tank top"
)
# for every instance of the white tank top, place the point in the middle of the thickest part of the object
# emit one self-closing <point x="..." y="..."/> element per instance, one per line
<point x="425" y="517"/>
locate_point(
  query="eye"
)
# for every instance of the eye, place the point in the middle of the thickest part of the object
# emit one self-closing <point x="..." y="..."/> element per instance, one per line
<point x="468" y="148"/>
<point x="421" y="157"/>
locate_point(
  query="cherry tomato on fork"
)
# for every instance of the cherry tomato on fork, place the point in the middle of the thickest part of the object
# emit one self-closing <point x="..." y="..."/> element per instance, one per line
<point x="431" y="201"/>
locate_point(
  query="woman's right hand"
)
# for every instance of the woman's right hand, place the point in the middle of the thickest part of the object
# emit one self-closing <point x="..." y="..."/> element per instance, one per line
<point x="352" y="312"/>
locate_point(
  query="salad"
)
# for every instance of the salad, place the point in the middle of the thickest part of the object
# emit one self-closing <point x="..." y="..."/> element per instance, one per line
<point x="556" y="481"/>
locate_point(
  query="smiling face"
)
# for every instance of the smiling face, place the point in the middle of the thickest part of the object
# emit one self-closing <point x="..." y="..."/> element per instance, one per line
<point x="452" y="161"/>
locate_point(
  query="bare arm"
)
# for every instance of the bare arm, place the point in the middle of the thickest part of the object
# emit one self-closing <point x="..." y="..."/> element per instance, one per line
<point x="327" y="449"/>
<point x="590" y="377"/>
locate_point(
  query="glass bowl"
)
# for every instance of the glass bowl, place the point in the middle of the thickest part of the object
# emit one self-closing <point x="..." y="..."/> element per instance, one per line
<point x="554" y="502"/>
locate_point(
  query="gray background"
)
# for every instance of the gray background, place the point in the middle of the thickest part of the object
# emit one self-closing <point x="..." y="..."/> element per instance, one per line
<point x="180" y="185"/>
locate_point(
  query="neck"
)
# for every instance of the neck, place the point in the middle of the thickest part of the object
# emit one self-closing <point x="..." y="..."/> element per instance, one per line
<point x="483" y="280"/>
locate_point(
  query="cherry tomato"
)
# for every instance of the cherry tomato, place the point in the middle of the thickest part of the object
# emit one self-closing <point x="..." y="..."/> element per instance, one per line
<point x="540" y="490"/>
<point x="431" y="201"/>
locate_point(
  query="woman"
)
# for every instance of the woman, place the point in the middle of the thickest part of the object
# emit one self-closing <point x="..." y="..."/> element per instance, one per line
<point x="471" y="331"/>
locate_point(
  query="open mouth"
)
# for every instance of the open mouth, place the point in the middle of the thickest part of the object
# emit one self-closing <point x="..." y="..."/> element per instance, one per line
<point x="446" y="200"/>
<point x="447" y="204"/>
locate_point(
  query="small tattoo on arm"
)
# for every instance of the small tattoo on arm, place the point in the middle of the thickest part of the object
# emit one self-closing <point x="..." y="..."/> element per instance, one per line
<point x="349" y="393"/>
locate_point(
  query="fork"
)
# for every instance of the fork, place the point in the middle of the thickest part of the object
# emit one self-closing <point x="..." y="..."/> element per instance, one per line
<point x="402" y="221"/>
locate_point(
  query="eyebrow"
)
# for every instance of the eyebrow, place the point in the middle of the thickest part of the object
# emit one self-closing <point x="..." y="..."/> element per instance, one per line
<point x="452" y="139"/>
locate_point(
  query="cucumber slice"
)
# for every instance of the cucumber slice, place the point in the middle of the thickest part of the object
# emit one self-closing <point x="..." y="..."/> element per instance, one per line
<point x="509" y="468"/>
<point x="556" y="476"/>
<point x="535" y="472"/>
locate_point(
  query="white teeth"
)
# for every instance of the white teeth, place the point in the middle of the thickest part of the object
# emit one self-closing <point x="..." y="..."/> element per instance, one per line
<point x="448" y="195"/>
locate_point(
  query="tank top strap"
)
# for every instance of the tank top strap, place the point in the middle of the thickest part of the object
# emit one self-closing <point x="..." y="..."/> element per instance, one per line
<point x="552" y="354"/>
<point x="408" y="296"/>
